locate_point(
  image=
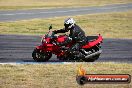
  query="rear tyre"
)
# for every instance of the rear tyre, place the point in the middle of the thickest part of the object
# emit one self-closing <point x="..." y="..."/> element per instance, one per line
<point x="40" y="56"/>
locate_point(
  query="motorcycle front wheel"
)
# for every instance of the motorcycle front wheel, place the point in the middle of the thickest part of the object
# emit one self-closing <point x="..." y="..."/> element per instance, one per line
<point x="40" y="56"/>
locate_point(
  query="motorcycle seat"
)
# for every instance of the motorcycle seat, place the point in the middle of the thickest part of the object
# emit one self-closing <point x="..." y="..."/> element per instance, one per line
<point x="91" y="38"/>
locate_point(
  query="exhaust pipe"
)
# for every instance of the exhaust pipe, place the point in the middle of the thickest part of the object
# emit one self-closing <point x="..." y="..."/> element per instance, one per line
<point x="94" y="54"/>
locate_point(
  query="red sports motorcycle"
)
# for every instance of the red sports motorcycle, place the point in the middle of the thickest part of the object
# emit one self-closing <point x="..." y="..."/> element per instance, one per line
<point x="51" y="45"/>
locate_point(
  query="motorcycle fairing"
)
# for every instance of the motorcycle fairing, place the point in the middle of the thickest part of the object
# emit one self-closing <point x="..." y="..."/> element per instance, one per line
<point x="93" y="43"/>
<point x="61" y="38"/>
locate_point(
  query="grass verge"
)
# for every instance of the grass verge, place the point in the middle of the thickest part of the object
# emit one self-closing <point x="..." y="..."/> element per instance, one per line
<point x="26" y="4"/>
<point x="109" y="25"/>
<point x="58" y="75"/>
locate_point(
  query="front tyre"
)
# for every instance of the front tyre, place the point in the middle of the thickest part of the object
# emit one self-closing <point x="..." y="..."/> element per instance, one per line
<point x="40" y="56"/>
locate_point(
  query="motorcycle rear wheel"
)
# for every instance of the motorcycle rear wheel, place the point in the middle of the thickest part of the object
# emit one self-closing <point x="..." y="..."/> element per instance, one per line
<point x="40" y="56"/>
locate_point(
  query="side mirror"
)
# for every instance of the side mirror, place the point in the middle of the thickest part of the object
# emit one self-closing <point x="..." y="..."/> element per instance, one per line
<point x="50" y="27"/>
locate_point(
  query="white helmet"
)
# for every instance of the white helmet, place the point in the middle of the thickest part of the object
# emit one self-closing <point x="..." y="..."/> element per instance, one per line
<point x="69" y="23"/>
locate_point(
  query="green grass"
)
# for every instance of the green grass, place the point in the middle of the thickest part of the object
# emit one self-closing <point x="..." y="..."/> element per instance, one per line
<point x="109" y="25"/>
<point x="58" y="75"/>
<point x="29" y="4"/>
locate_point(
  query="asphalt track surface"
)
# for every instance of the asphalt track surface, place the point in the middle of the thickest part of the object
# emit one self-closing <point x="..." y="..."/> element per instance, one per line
<point x="18" y="48"/>
<point x="16" y="15"/>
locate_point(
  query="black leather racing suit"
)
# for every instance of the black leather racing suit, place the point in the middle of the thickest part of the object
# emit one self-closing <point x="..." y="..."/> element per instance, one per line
<point x="77" y="35"/>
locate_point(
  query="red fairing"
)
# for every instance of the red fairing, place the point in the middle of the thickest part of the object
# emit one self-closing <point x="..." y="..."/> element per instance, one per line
<point x="93" y="43"/>
<point x="39" y="47"/>
<point x="61" y="38"/>
<point x="49" y="47"/>
<point x="47" y="40"/>
<point x="45" y="47"/>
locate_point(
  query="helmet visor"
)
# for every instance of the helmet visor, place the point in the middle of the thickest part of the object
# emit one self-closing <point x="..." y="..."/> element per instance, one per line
<point x="67" y="25"/>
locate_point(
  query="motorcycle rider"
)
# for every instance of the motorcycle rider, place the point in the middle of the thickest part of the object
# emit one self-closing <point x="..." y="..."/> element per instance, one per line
<point x="76" y="34"/>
